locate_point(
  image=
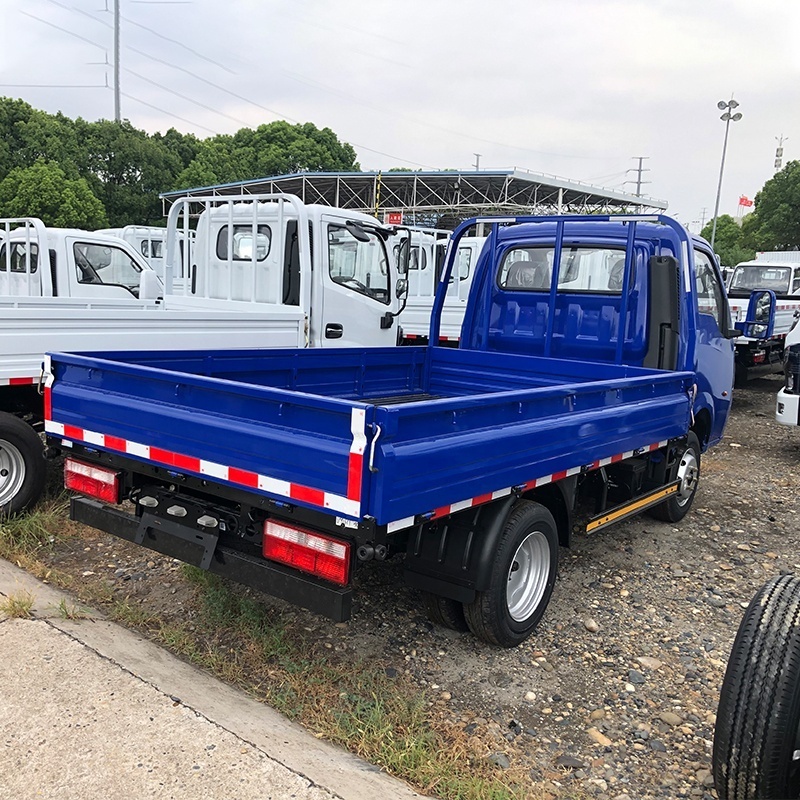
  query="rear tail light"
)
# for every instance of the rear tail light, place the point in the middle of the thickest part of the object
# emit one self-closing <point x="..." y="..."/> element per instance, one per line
<point x="94" y="481"/>
<point x="309" y="552"/>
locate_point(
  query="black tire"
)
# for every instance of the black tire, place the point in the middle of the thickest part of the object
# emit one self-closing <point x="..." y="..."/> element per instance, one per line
<point x="505" y="615"/>
<point x="445" y="612"/>
<point x="22" y="465"/>
<point x="758" y="719"/>
<point x="677" y="506"/>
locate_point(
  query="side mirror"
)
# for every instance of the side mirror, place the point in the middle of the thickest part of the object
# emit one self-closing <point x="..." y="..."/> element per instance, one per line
<point x="760" y="321"/>
<point x="401" y="289"/>
<point x="150" y="286"/>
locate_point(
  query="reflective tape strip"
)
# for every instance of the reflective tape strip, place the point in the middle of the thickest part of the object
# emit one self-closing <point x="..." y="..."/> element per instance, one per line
<point x="355" y="466"/>
<point x="444" y="511"/>
<point x="241" y="477"/>
<point x="18" y="381"/>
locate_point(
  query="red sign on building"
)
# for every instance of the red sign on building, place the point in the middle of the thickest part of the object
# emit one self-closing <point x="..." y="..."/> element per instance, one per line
<point x="393" y="218"/>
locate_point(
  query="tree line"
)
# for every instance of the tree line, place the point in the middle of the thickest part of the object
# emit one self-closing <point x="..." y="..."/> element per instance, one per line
<point x="773" y="225"/>
<point x="74" y="173"/>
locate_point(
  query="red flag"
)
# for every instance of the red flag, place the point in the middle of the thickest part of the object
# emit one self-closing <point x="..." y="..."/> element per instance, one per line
<point x="745" y="201"/>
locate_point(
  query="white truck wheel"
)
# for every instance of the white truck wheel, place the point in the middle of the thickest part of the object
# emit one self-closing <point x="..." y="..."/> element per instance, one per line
<point x="22" y="465"/>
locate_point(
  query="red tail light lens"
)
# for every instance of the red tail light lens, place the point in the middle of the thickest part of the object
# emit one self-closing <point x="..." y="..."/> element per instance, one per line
<point x="309" y="552"/>
<point x="94" y="481"/>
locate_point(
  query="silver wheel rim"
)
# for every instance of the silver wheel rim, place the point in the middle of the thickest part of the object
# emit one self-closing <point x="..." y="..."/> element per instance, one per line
<point x="527" y="576"/>
<point x="688" y="474"/>
<point x="12" y="472"/>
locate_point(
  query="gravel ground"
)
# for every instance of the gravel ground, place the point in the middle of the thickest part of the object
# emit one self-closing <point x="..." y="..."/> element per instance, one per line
<point x="617" y="691"/>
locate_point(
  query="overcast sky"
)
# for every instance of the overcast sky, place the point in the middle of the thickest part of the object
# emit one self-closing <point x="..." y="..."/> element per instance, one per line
<point x="575" y="88"/>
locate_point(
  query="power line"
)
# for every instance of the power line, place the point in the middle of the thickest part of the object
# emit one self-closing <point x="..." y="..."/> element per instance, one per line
<point x="62" y="29"/>
<point x="180" y="44"/>
<point x="170" y="113"/>
<point x="53" y="86"/>
<point x="185" y="97"/>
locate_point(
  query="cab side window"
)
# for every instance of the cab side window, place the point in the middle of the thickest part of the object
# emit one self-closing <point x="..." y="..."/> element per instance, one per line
<point x="709" y="291"/>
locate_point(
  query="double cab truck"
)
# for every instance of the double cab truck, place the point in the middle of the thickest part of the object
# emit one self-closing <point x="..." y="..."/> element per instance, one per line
<point x="595" y="367"/>
<point x="87" y="291"/>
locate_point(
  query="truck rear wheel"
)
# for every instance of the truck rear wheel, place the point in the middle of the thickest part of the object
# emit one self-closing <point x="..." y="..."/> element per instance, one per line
<point x="677" y="506"/>
<point x="522" y="578"/>
<point x="757" y="734"/>
<point x="22" y="465"/>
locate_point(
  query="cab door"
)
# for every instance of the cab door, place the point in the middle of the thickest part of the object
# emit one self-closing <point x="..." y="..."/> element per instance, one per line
<point x="714" y="351"/>
<point x="357" y="288"/>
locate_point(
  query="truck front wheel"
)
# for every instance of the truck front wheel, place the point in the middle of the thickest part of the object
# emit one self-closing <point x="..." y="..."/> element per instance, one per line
<point x="22" y="465"/>
<point x="757" y="735"/>
<point x="523" y="574"/>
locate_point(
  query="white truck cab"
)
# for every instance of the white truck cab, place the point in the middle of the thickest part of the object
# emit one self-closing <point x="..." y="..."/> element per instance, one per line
<point x="332" y="264"/>
<point x="78" y="264"/>
<point x="428" y="247"/>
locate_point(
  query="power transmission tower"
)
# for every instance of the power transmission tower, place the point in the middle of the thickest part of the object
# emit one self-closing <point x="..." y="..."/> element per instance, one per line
<point x="638" y="170"/>
<point x="703" y="218"/>
<point x="117" y="115"/>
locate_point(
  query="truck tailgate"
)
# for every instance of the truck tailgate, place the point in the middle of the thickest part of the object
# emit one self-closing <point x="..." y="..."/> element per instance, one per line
<point x="387" y="433"/>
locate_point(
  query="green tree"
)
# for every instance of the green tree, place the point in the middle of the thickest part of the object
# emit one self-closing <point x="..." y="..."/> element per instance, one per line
<point x="777" y="212"/>
<point x="126" y="170"/>
<point x="274" y="149"/>
<point x="729" y="241"/>
<point x="44" y="190"/>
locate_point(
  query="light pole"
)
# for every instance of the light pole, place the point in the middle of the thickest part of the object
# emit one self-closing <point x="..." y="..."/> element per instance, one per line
<point x="727" y="117"/>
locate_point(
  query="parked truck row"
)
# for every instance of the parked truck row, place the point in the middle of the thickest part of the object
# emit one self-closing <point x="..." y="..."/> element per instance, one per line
<point x="595" y="366"/>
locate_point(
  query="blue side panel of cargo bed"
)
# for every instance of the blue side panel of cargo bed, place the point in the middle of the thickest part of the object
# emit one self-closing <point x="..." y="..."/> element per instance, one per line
<point x="442" y="425"/>
<point x="443" y="452"/>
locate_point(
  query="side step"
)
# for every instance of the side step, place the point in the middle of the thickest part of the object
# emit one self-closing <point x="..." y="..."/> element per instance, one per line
<point x="632" y="507"/>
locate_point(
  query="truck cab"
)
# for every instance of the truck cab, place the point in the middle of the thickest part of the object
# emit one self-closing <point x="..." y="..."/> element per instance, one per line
<point x="419" y="254"/>
<point x="79" y="264"/>
<point x="638" y="292"/>
<point x="331" y="263"/>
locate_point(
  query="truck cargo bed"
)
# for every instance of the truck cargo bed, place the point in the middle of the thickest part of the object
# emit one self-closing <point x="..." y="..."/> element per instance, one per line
<point x="388" y="433"/>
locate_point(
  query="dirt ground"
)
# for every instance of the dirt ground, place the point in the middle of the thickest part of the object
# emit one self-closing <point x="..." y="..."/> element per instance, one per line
<point x="616" y="693"/>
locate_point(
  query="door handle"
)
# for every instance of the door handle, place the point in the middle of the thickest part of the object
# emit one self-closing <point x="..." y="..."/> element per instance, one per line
<point x="334" y="330"/>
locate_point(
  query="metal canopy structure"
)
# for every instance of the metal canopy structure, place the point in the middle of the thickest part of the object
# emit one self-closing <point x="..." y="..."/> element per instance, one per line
<point x="426" y="195"/>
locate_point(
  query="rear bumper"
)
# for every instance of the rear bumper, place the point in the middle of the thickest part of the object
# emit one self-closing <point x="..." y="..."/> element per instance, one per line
<point x="787" y="410"/>
<point x="181" y="542"/>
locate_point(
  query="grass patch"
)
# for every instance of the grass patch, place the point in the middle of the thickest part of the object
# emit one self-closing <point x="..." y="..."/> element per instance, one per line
<point x="25" y="535"/>
<point x="385" y="720"/>
<point x="17" y="605"/>
<point x="70" y="610"/>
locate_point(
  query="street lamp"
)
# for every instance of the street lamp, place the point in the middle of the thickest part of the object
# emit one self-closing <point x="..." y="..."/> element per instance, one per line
<point x="727" y="117"/>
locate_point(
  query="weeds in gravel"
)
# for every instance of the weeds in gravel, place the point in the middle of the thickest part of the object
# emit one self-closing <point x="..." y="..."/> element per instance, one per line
<point x="24" y="535"/>
<point x="17" y="605"/>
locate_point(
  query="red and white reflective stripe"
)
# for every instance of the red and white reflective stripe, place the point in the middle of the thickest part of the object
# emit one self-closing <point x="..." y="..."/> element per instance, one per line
<point x="241" y="477"/>
<point x="444" y="511"/>
<point x="18" y="381"/>
<point x="441" y="338"/>
<point x="355" y="467"/>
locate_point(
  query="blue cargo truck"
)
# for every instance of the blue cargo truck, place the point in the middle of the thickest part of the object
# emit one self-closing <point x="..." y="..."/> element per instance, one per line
<point x="594" y="368"/>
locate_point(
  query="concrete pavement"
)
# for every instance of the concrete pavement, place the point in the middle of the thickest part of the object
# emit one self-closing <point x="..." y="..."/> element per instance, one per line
<point x="89" y="709"/>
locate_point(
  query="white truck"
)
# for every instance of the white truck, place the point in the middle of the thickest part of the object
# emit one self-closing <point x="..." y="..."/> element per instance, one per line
<point x="151" y="242"/>
<point x="423" y="262"/>
<point x="780" y="273"/>
<point x="95" y="293"/>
